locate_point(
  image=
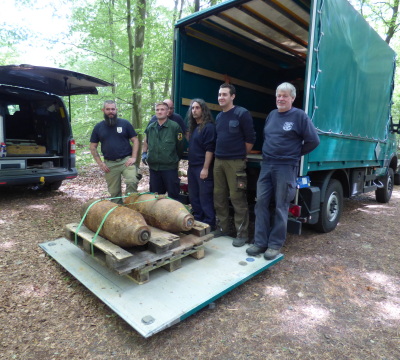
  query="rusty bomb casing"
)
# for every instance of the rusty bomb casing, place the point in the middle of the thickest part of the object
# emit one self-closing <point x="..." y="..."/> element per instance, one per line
<point x="161" y="212"/>
<point x="123" y="226"/>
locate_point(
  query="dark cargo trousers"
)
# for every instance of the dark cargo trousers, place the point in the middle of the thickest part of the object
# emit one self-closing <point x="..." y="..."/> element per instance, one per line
<point x="165" y="181"/>
<point x="201" y="195"/>
<point x="276" y="183"/>
<point x="225" y="188"/>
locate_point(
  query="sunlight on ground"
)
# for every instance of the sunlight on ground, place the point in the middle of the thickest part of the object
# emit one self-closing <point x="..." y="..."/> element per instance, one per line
<point x="34" y="291"/>
<point x="315" y="313"/>
<point x="389" y="283"/>
<point x="390" y="310"/>
<point x="7" y="245"/>
<point x="304" y="317"/>
<point x="374" y="209"/>
<point x="396" y="194"/>
<point x="142" y="187"/>
<point x="275" y="291"/>
<point x="39" y="207"/>
<point x="377" y="206"/>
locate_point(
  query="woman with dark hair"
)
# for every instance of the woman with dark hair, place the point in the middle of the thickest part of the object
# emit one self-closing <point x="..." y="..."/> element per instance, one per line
<point x="202" y="138"/>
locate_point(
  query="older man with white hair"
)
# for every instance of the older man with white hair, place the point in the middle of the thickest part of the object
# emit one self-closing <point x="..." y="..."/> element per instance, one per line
<point x="288" y="134"/>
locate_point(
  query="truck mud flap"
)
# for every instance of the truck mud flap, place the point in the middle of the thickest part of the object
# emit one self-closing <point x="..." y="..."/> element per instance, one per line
<point x="294" y="226"/>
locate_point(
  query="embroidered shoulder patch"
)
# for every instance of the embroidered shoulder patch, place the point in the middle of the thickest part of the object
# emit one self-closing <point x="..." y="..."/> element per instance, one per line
<point x="287" y="126"/>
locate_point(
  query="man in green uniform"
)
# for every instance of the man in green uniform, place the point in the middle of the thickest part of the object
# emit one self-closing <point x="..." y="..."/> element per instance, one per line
<point x="162" y="150"/>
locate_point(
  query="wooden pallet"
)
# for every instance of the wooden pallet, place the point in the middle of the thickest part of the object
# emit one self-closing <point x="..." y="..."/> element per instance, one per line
<point x="164" y="250"/>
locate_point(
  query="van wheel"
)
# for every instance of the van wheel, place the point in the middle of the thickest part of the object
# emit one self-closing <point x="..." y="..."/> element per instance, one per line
<point x="331" y="207"/>
<point x="52" y="186"/>
<point x="384" y="193"/>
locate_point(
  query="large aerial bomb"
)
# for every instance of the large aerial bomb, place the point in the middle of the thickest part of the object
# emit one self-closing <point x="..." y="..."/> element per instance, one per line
<point x="122" y="226"/>
<point x="161" y="212"/>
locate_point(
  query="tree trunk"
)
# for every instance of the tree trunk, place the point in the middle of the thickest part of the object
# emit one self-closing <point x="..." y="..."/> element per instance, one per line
<point x="392" y="23"/>
<point x="136" y="59"/>
<point x="111" y="41"/>
<point x="377" y="14"/>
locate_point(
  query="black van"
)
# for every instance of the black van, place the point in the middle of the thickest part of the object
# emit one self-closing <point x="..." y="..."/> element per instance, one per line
<point x="37" y="146"/>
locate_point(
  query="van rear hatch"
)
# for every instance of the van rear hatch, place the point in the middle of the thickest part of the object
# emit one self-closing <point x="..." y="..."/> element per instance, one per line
<point x="35" y="126"/>
<point x="51" y="80"/>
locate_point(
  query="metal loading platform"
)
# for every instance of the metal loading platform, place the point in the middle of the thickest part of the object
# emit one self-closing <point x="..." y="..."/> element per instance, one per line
<point x="169" y="297"/>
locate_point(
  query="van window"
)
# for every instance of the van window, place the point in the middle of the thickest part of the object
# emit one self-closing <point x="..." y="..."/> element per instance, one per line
<point x="13" y="108"/>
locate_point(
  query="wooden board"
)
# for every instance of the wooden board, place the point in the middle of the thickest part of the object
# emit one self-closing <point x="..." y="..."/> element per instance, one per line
<point x="169" y="297"/>
<point x="161" y="240"/>
<point x="216" y="107"/>
<point x="233" y="80"/>
<point x="85" y="237"/>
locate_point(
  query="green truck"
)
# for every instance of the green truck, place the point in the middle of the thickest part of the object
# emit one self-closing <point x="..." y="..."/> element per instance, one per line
<point x="344" y="75"/>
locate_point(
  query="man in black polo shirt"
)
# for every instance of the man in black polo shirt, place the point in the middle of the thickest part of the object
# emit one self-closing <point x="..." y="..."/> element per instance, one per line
<point x="235" y="139"/>
<point x="115" y="135"/>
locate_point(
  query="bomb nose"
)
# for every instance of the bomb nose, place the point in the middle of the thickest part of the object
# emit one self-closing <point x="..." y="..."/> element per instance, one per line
<point x="145" y="236"/>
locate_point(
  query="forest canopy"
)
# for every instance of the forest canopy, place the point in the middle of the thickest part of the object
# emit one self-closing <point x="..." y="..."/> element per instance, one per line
<point x="126" y="42"/>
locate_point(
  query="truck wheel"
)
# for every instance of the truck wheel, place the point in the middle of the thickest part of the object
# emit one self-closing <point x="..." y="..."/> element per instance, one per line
<point x="397" y="178"/>
<point x="331" y="207"/>
<point x="384" y="193"/>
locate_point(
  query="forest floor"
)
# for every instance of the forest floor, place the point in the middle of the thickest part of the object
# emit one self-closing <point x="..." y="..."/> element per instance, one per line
<point x="333" y="296"/>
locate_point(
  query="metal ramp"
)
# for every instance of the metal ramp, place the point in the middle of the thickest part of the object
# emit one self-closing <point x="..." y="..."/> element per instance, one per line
<point x="167" y="298"/>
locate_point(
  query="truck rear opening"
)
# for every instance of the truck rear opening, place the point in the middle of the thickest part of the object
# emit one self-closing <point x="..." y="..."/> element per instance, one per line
<point x="344" y="75"/>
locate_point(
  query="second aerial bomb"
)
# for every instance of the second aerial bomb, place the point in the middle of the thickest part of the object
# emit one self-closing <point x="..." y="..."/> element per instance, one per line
<point x="161" y="212"/>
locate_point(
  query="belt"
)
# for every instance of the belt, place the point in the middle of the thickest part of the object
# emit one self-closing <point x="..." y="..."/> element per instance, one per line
<point x="116" y="159"/>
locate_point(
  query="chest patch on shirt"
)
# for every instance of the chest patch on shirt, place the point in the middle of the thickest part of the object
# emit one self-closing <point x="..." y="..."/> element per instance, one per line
<point x="287" y="126"/>
<point x="119" y="129"/>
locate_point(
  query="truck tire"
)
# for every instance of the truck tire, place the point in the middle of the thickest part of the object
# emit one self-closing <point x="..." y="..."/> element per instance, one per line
<point x="397" y="178"/>
<point x="331" y="207"/>
<point x="384" y="193"/>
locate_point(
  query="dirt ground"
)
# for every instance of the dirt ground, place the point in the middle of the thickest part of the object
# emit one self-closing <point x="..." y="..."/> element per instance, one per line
<point x="333" y="296"/>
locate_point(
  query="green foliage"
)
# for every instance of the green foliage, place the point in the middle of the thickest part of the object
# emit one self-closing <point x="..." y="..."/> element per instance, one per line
<point x="382" y="15"/>
<point x="103" y="51"/>
<point x="97" y="44"/>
